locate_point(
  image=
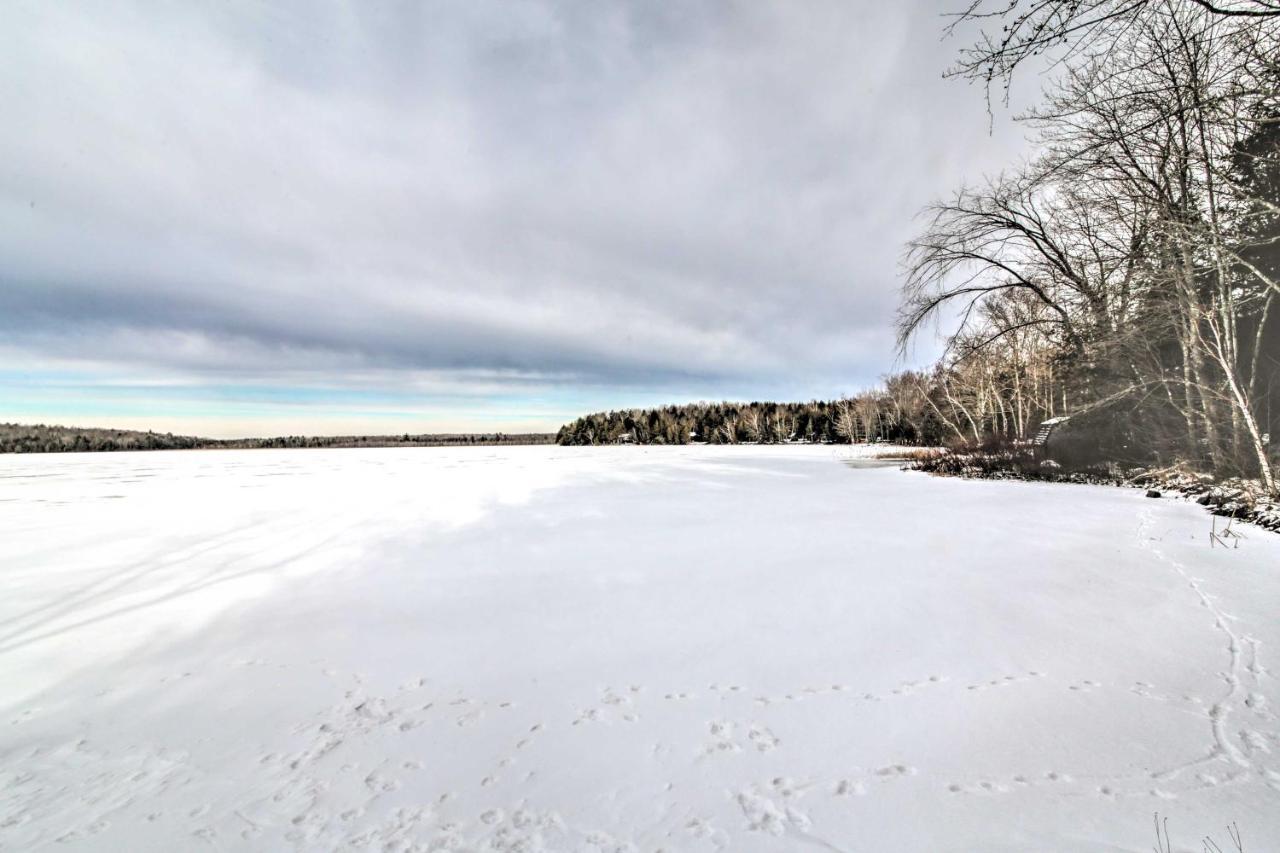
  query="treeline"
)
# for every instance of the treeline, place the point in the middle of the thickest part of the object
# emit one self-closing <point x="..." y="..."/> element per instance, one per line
<point x="405" y="440"/>
<point x="951" y="404"/>
<point x="1127" y="276"/>
<point x="41" y="438"/>
<point x="899" y="413"/>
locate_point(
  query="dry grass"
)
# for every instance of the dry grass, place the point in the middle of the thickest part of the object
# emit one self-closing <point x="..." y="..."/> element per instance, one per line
<point x="922" y="454"/>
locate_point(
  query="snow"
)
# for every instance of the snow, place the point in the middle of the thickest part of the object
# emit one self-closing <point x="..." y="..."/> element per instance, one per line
<point x="599" y="649"/>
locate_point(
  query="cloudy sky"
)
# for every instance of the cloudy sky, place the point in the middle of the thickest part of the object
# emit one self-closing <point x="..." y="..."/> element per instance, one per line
<point x="249" y="218"/>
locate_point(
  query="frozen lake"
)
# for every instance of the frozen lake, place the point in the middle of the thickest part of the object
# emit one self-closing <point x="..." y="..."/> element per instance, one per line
<point x="621" y="649"/>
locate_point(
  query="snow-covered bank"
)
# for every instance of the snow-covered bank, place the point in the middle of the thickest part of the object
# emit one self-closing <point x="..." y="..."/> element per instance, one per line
<point x="1233" y="497"/>
<point x="687" y="648"/>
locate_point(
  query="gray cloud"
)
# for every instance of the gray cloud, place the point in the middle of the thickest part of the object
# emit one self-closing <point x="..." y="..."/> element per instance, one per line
<point x="631" y="195"/>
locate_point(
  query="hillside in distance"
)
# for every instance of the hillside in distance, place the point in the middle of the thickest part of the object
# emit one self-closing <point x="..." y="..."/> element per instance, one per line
<point x="42" y="438"/>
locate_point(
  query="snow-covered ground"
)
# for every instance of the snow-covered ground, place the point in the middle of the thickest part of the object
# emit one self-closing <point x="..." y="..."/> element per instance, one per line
<point x="540" y="648"/>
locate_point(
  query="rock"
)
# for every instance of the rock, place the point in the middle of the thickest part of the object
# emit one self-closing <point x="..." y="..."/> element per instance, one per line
<point x="1152" y="493"/>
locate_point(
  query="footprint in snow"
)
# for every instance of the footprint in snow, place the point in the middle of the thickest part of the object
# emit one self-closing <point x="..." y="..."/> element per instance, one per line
<point x="849" y="788"/>
<point x="896" y="770"/>
<point x="763" y="739"/>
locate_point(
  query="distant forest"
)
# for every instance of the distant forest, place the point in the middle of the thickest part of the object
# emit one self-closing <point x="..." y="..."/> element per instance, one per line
<point x="39" y="438"/>
<point x="903" y="411"/>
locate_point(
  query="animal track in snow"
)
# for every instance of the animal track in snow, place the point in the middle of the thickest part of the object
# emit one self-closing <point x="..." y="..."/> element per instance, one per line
<point x="859" y="783"/>
<point x="717" y="688"/>
<point x="1243" y="666"/>
<point x="1004" y="680"/>
<point x="788" y="788"/>
<point x="895" y="770"/>
<point x="703" y="829"/>
<point x="849" y="788"/>
<point x="993" y="786"/>
<point x="117" y="779"/>
<point x="469" y="718"/>
<point x="1085" y="686"/>
<point x="765" y="815"/>
<point x="838" y="689"/>
<point x="1149" y="691"/>
<point x="614" y="705"/>
<point x="908" y="687"/>
<point x="380" y="784"/>
<point x="984" y="786"/>
<point x="725" y="737"/>
<point x="722" y="740"/>
<point x="761" y="738"/>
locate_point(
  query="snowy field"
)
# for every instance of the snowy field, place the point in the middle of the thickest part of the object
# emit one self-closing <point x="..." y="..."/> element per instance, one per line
<point x="576" y="649"/>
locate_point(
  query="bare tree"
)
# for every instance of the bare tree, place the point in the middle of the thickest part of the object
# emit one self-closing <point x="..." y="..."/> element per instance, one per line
<point x="1028" y="29"/>
<point x="1135" y="262"/>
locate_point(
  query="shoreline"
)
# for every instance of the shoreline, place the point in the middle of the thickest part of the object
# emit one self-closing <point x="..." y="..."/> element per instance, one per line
<point x="1233" y="498"/>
